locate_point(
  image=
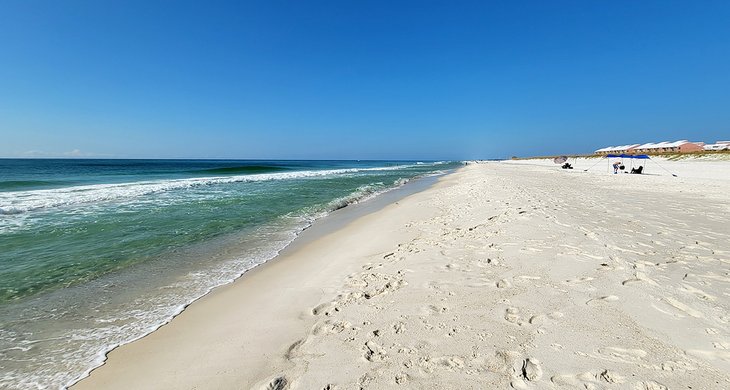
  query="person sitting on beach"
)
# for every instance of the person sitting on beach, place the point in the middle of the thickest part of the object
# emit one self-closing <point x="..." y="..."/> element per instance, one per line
<point x="638" y="170"/>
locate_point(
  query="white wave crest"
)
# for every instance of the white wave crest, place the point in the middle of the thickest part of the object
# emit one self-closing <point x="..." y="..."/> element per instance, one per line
<point x="24" y="201"/>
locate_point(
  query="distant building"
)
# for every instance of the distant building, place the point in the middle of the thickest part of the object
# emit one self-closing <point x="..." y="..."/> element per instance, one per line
<point x="616" y="149"/>
<point x="719" y="145"/>
<point x="682" y="146"/>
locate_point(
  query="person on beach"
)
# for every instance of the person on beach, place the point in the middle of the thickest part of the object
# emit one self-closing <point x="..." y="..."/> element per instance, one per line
<point x="616" y="167"/>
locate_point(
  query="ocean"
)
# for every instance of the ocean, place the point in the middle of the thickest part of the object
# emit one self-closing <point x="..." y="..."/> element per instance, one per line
<point x="98" y="253"/>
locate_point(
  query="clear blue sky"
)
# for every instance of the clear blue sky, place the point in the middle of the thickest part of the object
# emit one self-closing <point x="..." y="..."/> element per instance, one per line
<point x="358" y="79"/>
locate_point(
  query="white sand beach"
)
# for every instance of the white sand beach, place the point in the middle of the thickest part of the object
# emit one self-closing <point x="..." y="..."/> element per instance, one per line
<point x="502" y="274"/>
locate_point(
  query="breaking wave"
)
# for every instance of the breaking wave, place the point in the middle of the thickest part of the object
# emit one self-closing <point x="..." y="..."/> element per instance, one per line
<point x="19" y="202"/>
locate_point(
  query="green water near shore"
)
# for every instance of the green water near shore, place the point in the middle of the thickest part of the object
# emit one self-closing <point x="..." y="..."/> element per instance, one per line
<point x="96" y="253"/>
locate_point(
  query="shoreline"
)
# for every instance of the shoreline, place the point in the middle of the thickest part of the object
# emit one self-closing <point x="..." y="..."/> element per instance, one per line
<point x="501" y="274"/>
<point x="318" y="228"/>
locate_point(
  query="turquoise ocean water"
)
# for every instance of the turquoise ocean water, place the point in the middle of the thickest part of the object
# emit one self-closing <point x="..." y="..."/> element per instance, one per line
<point x="97" y="253"/>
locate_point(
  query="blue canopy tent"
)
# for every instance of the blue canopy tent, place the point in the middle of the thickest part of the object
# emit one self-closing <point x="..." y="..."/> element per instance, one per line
<point x="631" y="157"/>
<point x="637" y="156"/>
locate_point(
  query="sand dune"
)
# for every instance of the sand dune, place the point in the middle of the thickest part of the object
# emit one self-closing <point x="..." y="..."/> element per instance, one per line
<point x="503" y="274"/>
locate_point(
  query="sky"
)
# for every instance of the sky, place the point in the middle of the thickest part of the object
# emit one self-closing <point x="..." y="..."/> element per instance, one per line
<point x="358" y="79"/>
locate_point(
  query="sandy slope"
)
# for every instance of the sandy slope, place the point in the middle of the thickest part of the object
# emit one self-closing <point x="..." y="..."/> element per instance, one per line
<point x="502" y="274"/>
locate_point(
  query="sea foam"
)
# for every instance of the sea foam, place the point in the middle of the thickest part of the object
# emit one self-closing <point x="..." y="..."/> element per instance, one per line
<point x="12" y="203"/>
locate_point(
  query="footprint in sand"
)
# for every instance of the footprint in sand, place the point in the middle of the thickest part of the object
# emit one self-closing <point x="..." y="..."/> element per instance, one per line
<point x="278" y="383"/>
<point x="588" y="379"/>
<point x="639" y="277"/>
<point x="512" y="314"/>
<point x="401" y="378"/>
<point x="452" y="363"/>
<point x="600" y="300"/>
<point x="365" y="380"/>
<point x="327" y="308"/>
<point x="579" y="280"/>
<point x="330" y="326"/>
<point x="374" y="352"/>
<point x="372" y="284"/>
<point x="504" y="283"/>
<point x="714" y="354"/>
<point x="623" y="355"/>
<point x="512" y="363"/>
<point x="540" y="319"/>
<point x="354" y="282"/>
<point x="683" y="308"/>
<point x="649" y="385"/>
<point x="530" y="371"/>
<point x="390" y="286"/>
<point x="503" y="362"/>
<point x="696" y="291"/>
<point x="433" y="309"/>
<point x="399" y="327"/>
<point x="293" y="351"/>
<point x="678" y="366"/>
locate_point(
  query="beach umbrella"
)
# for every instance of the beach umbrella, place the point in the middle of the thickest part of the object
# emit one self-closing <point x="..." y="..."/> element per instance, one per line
<point x="560" y="160"/>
